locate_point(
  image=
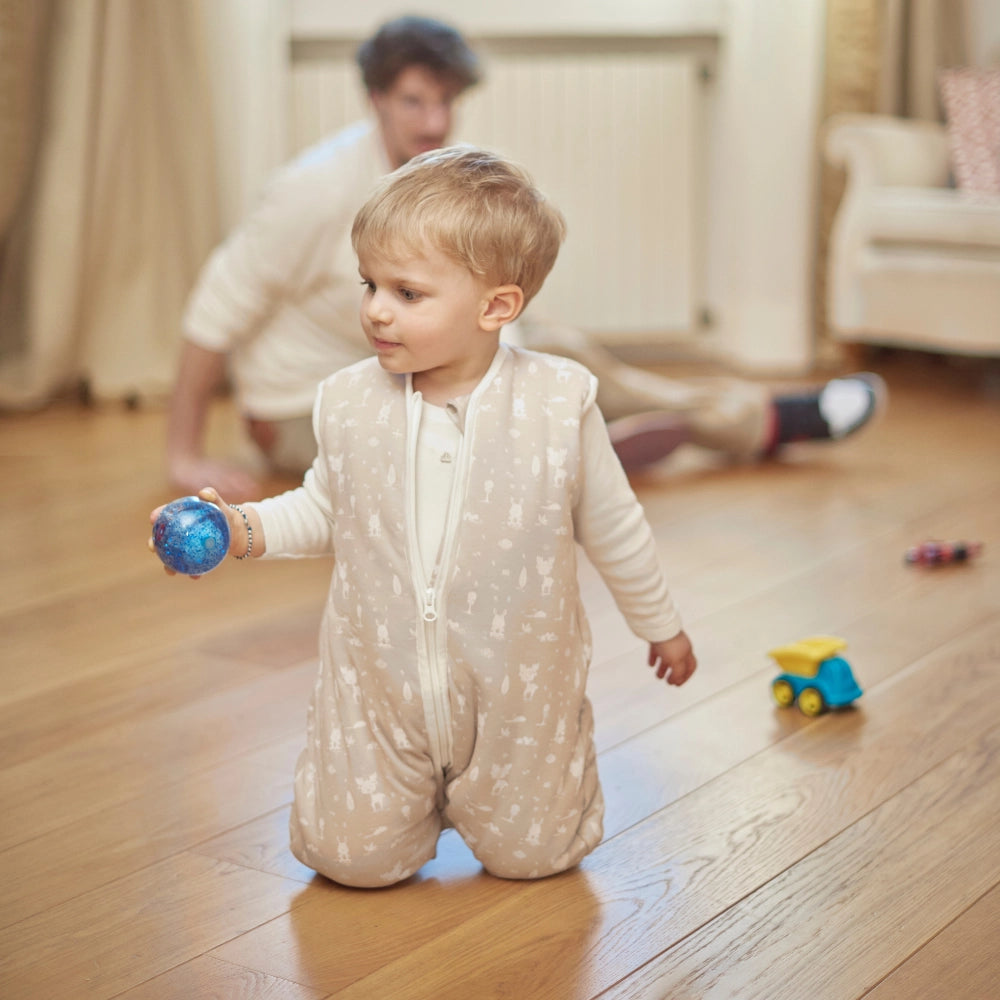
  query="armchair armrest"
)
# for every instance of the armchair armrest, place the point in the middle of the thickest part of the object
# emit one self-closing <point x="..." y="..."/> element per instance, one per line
<point x="911" y="261"/>
<point x="880" y="150"/>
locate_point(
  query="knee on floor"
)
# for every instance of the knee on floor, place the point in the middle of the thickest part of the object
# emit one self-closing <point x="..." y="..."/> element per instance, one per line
<point x="357" y="865"/>
<point x="529" y="862"/>
<point x="368" y="871"/>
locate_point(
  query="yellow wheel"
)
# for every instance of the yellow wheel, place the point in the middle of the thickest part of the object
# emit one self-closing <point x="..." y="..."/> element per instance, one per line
<point x="783" y="693"/>
<point x="811" y="702"/>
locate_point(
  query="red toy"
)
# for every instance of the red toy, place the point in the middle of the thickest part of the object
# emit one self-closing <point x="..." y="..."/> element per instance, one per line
<point x="942" y="553"/>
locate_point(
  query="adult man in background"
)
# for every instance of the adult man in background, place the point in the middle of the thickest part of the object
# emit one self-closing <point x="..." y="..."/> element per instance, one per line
<point x="277" y="303"/>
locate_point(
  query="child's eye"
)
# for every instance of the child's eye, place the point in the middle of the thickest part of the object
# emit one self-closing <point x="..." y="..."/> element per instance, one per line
<point x="408" y="294"/>
<point x="369" y="285"/>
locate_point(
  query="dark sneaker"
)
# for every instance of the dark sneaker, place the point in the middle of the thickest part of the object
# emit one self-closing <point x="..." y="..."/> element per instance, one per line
<point x="646" y="438"/>
<point x="833" y="411"/>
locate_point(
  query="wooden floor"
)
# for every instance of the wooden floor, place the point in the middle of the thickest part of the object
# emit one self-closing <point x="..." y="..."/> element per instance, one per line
<point x="148" y="728"/>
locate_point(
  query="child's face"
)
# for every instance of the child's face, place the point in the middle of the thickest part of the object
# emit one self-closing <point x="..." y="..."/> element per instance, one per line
<point x="427" y="315"/>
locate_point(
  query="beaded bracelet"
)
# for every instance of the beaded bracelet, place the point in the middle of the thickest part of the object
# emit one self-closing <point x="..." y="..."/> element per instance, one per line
<point x="246" y="521"/>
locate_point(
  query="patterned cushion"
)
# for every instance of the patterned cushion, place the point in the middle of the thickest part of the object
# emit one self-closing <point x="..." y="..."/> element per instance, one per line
<point x="971" y="99"/>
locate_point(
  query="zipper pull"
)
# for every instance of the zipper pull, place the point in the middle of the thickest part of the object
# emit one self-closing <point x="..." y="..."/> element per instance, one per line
<point x="430" y="611"/>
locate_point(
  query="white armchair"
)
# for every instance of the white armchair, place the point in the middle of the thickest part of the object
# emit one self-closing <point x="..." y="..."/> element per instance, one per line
<point x="912" y="262"/>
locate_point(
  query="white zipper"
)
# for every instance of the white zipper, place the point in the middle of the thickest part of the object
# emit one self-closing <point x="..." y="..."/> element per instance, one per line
<point x="432" y="659"/>
<point x="432" y="650"/>
<point x="430" y="605"/>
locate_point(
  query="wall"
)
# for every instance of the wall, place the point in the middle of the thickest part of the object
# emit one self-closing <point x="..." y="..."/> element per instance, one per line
<point x="763" y="185"/>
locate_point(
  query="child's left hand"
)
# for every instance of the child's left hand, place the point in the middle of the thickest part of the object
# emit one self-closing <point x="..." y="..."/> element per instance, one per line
<point x="674" y="659"/>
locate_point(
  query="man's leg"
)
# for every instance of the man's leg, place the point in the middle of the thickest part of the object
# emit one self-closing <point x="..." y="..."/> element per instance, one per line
<point x="650" y="415"/>
<point x="725" y="414"/>
<point x="832" y="411"/>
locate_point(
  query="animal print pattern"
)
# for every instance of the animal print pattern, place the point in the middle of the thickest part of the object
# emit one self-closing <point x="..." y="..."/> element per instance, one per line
<point x="476" y="718"/>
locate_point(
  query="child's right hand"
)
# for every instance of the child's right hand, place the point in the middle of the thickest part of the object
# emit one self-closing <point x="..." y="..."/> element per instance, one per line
<point x="237" y="529"/>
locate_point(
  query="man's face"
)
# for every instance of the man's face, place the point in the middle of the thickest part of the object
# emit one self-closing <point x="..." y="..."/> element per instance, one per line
<point x="415" y="113"/>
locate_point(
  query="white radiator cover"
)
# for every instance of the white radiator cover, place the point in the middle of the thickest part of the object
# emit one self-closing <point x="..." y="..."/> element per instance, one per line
<point x="615" y="135"/>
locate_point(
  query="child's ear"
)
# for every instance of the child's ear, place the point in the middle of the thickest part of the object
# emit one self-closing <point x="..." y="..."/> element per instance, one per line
<point x="503" y="306"/>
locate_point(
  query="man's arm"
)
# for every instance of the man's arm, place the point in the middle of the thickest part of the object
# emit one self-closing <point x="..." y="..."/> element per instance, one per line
<point x="199" y="375"/>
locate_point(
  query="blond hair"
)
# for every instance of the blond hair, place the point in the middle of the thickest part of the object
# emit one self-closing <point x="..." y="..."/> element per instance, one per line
<point x="476" y="207"/>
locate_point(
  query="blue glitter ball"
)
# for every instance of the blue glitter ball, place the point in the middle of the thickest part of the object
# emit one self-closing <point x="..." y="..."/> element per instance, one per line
<point x="191" y="536"/>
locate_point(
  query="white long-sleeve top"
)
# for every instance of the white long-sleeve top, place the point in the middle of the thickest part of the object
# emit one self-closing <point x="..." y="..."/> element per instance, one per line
<point x="610" y="524"/>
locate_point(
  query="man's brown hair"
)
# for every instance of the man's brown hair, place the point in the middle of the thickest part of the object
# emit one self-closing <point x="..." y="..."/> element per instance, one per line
<point x="417" y="41"/>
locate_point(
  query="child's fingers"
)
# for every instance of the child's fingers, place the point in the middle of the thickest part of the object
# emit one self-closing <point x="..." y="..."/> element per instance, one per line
<point x="681" y="672"/>
<point x="657" y="661"/>
<point x="211" y="494"/>
<point x="152" y="548"/>
<point x="675" y="672"/>
<point x="235" y="518"/>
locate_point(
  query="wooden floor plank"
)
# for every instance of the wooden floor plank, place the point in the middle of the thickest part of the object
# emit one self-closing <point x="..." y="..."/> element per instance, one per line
<point x="132" y="929"/>
<point x="210" y="977"/>
<point x="857" y="906"/>
<point x="149" y="684"/>
<point x="42" y="644"/>
<point x="961" y="963"/>
<point x="330" y="940"/>
<point x="261" y="843"/>
<point x="98" y="772"/>
<point x="39" y="724"/>
<point x="46" y="870"/>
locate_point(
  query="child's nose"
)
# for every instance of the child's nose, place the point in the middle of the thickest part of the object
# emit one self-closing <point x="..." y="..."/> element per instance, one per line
<point x="376" y="309"/>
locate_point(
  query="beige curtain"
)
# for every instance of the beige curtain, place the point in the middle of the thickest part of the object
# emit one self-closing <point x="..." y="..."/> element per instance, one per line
<point x="22" y="32"/>
<point x="918" y="37"/>
<point x="882" y="56"/>
<point x="118" y="209"/>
